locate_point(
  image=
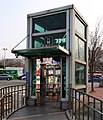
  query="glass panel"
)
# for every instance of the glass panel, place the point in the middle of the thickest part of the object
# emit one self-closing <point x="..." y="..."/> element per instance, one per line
<point x="51" y="22"/>
<point x="79" y="49"/>
<point x="39" y="28"/>
<point x="80" y="73"/>
<point x="56" y="39"/>
<point x="76" y="47"/>
<point x="79" y="27"/>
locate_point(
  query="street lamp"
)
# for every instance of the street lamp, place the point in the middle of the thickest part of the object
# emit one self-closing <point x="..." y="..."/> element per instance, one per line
<point x="4" y="55"/>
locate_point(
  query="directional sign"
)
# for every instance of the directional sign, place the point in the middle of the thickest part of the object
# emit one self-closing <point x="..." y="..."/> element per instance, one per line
<point x="48" y="40"/>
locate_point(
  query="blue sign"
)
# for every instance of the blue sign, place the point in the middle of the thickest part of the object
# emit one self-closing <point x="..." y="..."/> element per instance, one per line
<point x="27" y="77"/>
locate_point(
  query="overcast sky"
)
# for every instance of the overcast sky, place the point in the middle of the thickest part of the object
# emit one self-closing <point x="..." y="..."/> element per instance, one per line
<point x="13" y="22"/>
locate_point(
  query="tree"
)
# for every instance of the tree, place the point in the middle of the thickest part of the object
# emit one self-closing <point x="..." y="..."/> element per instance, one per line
<point x="12" y="63"/>
<point x="95" y="50"/>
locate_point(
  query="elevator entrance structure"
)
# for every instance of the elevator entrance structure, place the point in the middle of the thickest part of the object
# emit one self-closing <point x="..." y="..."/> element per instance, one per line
<point x="58" y="35"/>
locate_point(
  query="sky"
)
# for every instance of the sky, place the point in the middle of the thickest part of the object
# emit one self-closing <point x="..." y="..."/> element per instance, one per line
<point x="13" y="22"/>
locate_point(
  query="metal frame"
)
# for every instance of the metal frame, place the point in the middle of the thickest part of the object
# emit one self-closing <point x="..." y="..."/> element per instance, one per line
<point x="49" y="32"/>
<point x="51" y="11"/>
<point x="67" y="47"/>
<point x="72" y="48"/>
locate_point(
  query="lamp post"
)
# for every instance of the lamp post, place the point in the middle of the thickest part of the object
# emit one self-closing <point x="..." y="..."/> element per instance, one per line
<point x="4" y="55"/>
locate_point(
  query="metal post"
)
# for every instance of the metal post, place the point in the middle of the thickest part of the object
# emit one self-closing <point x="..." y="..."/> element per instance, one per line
<point x="42" y="84"/>
<point x="4" y="55"/>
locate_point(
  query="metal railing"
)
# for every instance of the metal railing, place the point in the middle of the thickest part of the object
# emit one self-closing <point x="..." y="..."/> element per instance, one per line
<point x="83" y="106"/>
<point x="12" y="98"/>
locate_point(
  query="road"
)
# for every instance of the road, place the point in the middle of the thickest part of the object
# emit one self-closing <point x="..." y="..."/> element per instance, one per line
<point x="4" y="83"/>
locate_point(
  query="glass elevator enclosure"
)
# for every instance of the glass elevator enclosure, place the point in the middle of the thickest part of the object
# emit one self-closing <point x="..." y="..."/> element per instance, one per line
<point x="56" y="53"/>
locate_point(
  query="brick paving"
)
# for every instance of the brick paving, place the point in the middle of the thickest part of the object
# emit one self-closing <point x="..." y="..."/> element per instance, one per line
<point x="98" y="91"/>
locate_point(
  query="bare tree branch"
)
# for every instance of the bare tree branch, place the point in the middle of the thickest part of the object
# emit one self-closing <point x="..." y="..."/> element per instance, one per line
<point x="95" y="50"/>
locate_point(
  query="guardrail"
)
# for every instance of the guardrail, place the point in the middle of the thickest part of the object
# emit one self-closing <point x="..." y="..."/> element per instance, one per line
<point x="83" y="106"/>
<point x="12" y="98"/>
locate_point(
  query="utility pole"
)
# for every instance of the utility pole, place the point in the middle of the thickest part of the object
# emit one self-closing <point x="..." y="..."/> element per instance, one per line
<point x="4" y="55"/>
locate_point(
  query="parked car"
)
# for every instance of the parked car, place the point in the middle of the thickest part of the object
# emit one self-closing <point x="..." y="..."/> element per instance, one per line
<point x="95" y="79"/>
<point x="22" y="77"/>
<point x="5" y="77"/>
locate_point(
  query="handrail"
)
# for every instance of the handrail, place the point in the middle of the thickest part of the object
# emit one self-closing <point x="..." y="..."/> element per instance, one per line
<point x="12" y="98"/>
<point x="83" y="106"/>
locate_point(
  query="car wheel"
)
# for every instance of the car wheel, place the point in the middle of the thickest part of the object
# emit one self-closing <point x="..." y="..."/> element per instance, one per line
<point x="8" y="79"/>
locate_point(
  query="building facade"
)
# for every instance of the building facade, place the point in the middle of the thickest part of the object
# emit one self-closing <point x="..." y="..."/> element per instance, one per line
<point x="59" y="35"/>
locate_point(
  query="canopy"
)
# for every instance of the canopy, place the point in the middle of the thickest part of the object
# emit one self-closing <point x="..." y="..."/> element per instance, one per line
<point x="46" y="51"/>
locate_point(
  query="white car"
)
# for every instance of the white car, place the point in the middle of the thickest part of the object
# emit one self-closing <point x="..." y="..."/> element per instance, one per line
<point x="23" y="78"/>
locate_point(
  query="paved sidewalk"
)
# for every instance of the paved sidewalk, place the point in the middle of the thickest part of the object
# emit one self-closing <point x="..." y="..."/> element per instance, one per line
<point x="51" y="112"/>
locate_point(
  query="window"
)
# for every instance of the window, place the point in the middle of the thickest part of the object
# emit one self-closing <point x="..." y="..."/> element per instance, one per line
<point x="80" y="73"/>
<point x="10" y="71"/>
<point x="79" y="27"/>
<point x="50" y="22"/>
<point x="79" y="49"/>
<point x="13" y="71"/>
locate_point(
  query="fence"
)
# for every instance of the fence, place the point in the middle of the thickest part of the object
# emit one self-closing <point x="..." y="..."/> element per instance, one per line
<point x="83" y="106"/>
<point x="12" y="98"/>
